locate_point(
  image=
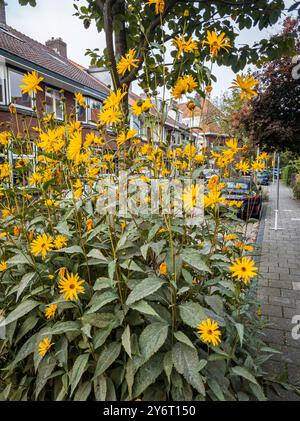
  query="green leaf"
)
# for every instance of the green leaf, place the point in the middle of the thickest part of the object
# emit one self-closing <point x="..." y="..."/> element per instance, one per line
<point x="243" y="372"/>
<point x="100" y="337"/>
<point x="100" y="388"/>
<point x="186" y="362"/>
<point x="25" y="281"/>
<point x="63" y="228"/>
<point x="194" y="259"/>
<point x="215" y="387"/>
<point x="83" y="392"/>
<point x="145" y="308"/>
<point x="25" y="351"/>
<point x="107" y="357"/>
<point x="181" y="337"/>
<point x="102" y="283"/>
<point x="147" y="374"/>
<point x="100" y="320"/>
<point x="96" y="254"/>
<point x="144" y="251"/>
<point x="79" y="367"/>
<point x="100" y="299"/>
<point x="192" y="313"/>
<point x="45" y="369"/>
<point x="19" y="259"/>
<point x="71" y="250"/>
<point x="126" y="340"/>
<point x="168" y="364"/>
<point x="63" y="327"/>
<point x="20" y="311"/>
<point x="240" y="330"/>
<point x="216" y="303"/>
<point x="258" y="391"/>
<point x="146" y="287"/>
<point x="152" y="339"/>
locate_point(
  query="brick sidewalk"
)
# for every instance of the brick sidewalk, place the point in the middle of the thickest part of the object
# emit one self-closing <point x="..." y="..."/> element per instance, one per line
<point x="279" y="288"/>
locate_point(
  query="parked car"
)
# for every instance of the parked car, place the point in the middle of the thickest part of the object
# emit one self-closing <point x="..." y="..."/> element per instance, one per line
<point x="246" y="190"/>
<point x="262" y="178"/>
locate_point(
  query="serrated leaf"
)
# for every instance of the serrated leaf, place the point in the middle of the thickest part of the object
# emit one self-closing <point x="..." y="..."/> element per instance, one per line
<point x="243" y="372"/>
<point x="192" y="313"/>
<point x="147" y="374"/>
<point x="79" y="367"/>
<point x="181" y="337"/>
<point x="45" y="369"/>
<point x="152" y="339"/>
<point x="194" y="259"/>
<point x="146" y="287"/>
<point x="107" y="357"/>
<point x="168" y="364"/>
<point x="215" y="387"/>
<point x="186" y="361"/>
<point x="100" y="320"/>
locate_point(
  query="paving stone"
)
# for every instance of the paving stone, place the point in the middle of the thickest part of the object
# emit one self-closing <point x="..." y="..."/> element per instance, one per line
<point x="268" y="309"/>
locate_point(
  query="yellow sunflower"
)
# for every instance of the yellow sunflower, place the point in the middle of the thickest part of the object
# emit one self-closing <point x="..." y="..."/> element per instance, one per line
<point x="185" y="46"/>
<point x="217" y="42"/>
<point x="44" y="346"/>
<point x="184" y="84"/>
<point x="50" y="311"/>
<point x="243" y="269"/>
<point x="246" y="84"/>
<point x="60" y="241"/>
<point x="127" y="62"/>
<point x="42" y="245"/>
<point x="159" y="5"/>
<point x="3" y="266"/>
<point x="70" y="286"/>
<point x="209" y="332"/>
<point x="31" y="83"/>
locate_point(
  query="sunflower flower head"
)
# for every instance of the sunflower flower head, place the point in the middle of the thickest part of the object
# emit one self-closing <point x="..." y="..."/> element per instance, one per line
<point x="217" y="42"/>
<point x="246" y="84"/>
<point x="70" y="286"/>
<point x="42" y="245"/>
<point x="44" y="346"/>
<point x="31" y="83"/>
<point x="243" y="269"/>
<point x="127" y="62"/>
<point x="50" y="311"/>
<point x="209" y="332"/>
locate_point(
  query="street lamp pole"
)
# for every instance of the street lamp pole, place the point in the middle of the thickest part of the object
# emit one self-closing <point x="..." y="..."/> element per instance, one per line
<point x="277" y="195"/>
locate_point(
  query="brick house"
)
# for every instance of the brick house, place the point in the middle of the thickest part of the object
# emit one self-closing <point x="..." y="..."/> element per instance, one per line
<point x="20" y="54"/>
<point x="205" y="121"/>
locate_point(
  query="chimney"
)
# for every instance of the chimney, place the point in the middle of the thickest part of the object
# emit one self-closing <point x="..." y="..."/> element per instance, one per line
<point x="2" y="12"/>
<point x="57" y="45"/>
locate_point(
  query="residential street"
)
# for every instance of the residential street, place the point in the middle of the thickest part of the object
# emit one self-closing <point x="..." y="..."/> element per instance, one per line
<point x="279" y="286"/>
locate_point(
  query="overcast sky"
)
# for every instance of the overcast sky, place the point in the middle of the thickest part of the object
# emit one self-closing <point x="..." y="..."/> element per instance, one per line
<point x="54" y="18"/>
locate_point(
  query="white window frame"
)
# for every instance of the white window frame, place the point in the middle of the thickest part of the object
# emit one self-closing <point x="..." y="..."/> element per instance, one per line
<point x="52" y="95"/>
<point x="10" y="98"/>
<point x="3" y="76"/>
<point x="88" y="101"/>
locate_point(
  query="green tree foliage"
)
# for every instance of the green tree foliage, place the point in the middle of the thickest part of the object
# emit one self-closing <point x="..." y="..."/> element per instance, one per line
<point x="272" y="119"/>
<point x="133" y="24"/>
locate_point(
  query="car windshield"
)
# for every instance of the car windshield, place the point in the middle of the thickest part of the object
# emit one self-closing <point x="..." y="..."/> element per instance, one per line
<point x="237" y="186"/>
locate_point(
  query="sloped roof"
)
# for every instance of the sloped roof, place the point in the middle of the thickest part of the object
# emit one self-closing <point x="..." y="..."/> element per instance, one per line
<point x="17" y="44"/>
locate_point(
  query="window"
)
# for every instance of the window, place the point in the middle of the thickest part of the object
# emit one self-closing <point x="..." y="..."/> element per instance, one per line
<point x="54" y="103"/>
<point x="91" y="113"/>
<point x="16" y="96"/>
<point x="2" y="84"/>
